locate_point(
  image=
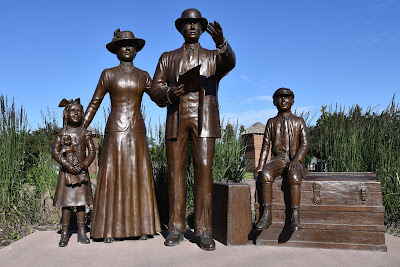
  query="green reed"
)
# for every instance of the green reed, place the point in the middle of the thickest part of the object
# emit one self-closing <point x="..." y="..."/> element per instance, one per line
<point x="26" y="171"/>
<point x="13" y="126"/>
<point x="229" y="153"/>
<point x="156" y="142"/>
<point x="353" y="140"/>
<point x="229" y="149"/>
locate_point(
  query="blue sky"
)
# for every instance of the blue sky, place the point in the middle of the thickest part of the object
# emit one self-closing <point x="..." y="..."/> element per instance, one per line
<point x="327" y="52"/>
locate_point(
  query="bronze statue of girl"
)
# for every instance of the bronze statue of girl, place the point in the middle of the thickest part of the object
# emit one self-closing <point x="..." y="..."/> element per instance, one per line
<point x="73" y="187"/>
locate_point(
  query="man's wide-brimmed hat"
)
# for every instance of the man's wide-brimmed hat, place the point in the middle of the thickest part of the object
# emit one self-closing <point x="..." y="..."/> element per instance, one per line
<point x="283" y="91"/>
<point x="191" y="14"/>
<point x="123" y="38"/>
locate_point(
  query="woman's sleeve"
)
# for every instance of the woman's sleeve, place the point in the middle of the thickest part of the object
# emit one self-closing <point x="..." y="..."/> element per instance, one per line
<point x="90" y="148"/>
<point x="98" y="96"/>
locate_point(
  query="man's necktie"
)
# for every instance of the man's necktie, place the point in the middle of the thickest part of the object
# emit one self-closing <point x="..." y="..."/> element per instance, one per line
<point x="286" y="136"/>
<point x="190" y="57"/>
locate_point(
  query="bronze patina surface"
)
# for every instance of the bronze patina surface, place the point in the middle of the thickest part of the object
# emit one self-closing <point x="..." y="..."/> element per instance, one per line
<point x="73" y="186"/>
<point x="125" y="203"/>
<point x="231" y="213"/>
<point x="340" y="210"/>
<point x="192" y="115"/>
<point x="287" y="138"/>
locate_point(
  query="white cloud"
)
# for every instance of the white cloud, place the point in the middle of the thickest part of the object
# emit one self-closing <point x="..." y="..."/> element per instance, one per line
<point x="245" y="78"/>
<point x="382" y="3"/>
<point x="248" y="118"/>
<point x="377" y="38"/>
<point x="258" y="98"/>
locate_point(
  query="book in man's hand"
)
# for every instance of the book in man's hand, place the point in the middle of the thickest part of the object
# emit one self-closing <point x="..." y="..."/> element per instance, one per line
<point x="191" y="79"/>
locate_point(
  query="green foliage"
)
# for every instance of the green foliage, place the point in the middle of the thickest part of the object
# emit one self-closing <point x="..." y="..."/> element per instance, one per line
<point x="158" y="157"/>
<point x="357" y="141"/>
<point x="13" y="236"/>
<point x="229" y="150"/>
<point x="13" y="136"/>
<point x="27" y="172"/>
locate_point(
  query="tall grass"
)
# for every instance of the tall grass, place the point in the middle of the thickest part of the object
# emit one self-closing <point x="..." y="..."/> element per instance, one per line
<point x="229" y="153"/>
<point x="13" y="136"/>
<point x="156" y="142"/>
<point x="227" y="165"/>
<point x="354" y="140"/>
<point x="27" y="172"/>
<point x="42" y="170"/>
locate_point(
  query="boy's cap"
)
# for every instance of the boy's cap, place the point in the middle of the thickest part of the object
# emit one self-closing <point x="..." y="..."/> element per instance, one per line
<point x="283" y="91"/>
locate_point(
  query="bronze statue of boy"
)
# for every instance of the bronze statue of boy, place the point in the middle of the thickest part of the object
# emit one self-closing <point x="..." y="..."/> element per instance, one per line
<point x="286" y="136"/>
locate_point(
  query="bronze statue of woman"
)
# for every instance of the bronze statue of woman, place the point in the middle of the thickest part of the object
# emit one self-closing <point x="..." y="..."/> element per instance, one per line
<point x="125" y="203"/>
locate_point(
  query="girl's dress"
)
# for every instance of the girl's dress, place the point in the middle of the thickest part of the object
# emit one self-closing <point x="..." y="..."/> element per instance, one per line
<point x="80" y="192"/>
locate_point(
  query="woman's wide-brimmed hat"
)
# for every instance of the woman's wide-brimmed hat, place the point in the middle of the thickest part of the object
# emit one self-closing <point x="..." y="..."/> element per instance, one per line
<point x="191" y="14"/>
<point x="123" y="38"/>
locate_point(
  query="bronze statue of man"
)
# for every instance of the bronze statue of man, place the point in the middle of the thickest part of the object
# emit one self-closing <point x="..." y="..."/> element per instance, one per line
<point x="286" y="136"/>
<point x="192" y="115"/>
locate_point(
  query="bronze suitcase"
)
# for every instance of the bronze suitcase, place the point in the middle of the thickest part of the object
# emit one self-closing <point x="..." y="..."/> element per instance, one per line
<point x="231" y="214"/>
<point x="338" y="210"/>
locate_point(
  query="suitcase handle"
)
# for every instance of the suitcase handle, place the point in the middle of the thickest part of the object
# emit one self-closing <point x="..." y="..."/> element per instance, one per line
<point x="316" y="200"/>
<point x="363" y="194"/>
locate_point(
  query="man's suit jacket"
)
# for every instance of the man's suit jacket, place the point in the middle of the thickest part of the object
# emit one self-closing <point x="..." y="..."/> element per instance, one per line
<point x="298" y="145"/>
<point x="215" y="64"/>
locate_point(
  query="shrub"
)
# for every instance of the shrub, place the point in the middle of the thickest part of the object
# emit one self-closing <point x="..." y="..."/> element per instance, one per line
<point x="227" y="165"/>
<point x="28" y="174"/>
<point x="357" y="141"/>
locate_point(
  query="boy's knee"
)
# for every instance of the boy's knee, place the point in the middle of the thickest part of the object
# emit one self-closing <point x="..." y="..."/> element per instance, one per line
<point x="267" y="177"/>
<point x="295" y="177"/>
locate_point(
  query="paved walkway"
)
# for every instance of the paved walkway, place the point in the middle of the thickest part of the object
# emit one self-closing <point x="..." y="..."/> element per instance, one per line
<point x="41" y="249"/>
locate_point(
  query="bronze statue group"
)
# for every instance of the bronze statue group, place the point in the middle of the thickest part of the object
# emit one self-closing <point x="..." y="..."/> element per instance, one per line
<point x="125" y="203"/>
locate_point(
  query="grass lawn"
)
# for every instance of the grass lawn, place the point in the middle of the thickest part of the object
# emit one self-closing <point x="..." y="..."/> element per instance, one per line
<point x="248" y="175"/>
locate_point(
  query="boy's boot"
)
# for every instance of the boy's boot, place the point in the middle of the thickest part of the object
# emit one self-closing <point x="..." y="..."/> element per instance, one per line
<point x="295" y="194"/>
<point x="266" y="219"/>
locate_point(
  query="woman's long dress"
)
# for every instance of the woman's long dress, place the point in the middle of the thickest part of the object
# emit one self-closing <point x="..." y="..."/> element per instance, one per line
<point x="125" y="203"/>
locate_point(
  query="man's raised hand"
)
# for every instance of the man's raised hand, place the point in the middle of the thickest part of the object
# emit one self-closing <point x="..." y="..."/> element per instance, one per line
<point x="215" y="30"/>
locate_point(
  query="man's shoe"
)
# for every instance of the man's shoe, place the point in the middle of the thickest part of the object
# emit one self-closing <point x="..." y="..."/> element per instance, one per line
<point x="174" y="238"/>
<point x="63" y="243"/>
<point x="295" y="222"/>
<point x="266" y="219"/>
<point x="207" y="242"/>
<point x="108" y="240"/>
